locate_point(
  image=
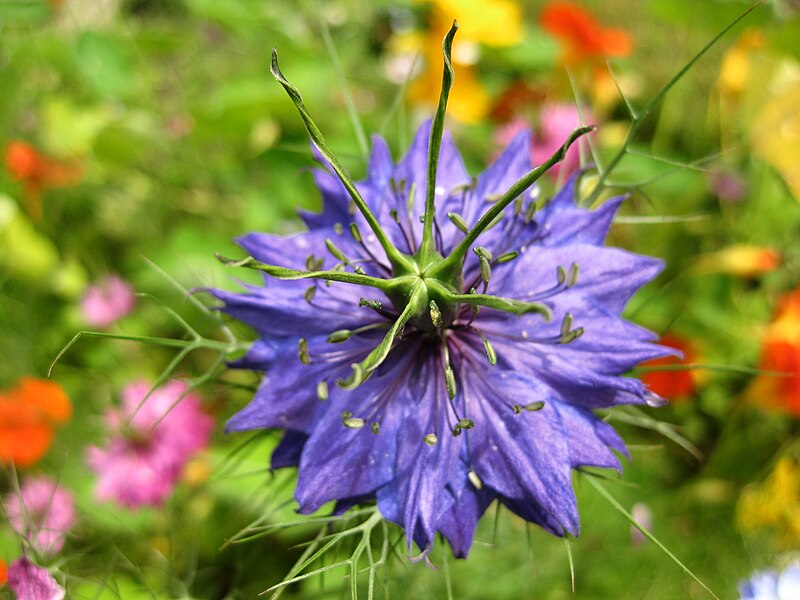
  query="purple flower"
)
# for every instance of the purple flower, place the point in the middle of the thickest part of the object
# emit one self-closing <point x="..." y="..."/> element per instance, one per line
<point x="107" y="301"/>
<point x="42" y="512"/>
<point x="152" y="439"/>
<point x="485" y="405"/>
<point x="32" y="582"/>
<point x="770" y="585"/>
<point x="436" y="342"/>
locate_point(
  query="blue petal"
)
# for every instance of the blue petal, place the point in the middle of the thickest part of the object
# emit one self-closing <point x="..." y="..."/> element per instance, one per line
<point x="287" y="452"/>
<point x="426" y="477"/>
<point x="458" y="523"/>
<point x="287" y="397"/>
<point x="340" y="462"/>
<point x="523" y="457"/>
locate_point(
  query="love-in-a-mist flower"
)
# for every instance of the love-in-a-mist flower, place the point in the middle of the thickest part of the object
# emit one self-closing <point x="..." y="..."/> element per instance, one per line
<point x="29" y="581"/>
<point x="43" y="512"/>
<point x="152" y="439"/>
<point x="436" y="341"/>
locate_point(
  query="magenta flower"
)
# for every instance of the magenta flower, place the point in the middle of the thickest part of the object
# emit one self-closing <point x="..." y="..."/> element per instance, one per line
<point x="152" y="439"/>
<point x="32" y="582"/>
<point x="107" y="301"/>
<point x="42" y="512"/>
<point x="556" y="122"/>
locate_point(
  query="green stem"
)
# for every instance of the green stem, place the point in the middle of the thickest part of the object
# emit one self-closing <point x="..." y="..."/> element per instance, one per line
<point x="384" y="285"/>
<point x="395" y="257"/>
<point x="427" y="246"/>
<point x="648" y="108"/>
<point x="362" y="370"/>
<point x="452" y="264"/>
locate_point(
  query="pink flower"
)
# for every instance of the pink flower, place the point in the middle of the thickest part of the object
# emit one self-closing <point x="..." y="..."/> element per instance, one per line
<point x="107" y="301"/>
<point x="556" y="122"/>
<point x="42" y="512"/>
<point x="32" y="582"/>
<point x="152" y="440"/>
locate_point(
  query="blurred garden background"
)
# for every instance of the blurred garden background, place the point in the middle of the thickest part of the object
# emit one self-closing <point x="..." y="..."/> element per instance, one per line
<point x="141" y="137"/>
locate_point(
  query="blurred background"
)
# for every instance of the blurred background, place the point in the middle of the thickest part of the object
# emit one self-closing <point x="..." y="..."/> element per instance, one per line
<point x="141" y="137"/>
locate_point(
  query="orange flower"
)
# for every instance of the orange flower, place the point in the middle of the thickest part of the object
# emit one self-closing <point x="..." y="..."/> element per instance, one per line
<point x="29" y="414"/>
<point x="583" y="37"/>
<point x="3" y="572"/>
<point x="671" y="384"/>
<point x="781" y="352"/>
<point x="37" y="172"/>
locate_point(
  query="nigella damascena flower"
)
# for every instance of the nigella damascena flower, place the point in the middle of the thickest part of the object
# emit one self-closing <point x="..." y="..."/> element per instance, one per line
<point x="430" y="350"/>
<point x="43" y="512"/>
<point x="153" y="437"/>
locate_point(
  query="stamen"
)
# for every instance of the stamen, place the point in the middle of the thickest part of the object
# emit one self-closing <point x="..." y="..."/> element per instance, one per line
<point x="375" y="428"/>
<point x="507" y="257"/>
<point x="532" y="407"/>
<point x="302" y="351"/>
<point x="351" y="422"/>
<point x="309" y="294"/>
<point x="356" y="233"/>
<point x="337" y="253"/>
<point x="313" y="263"/>
<point x="431" y="439"/>
<point x="458" y="221"/>
<point x="475" y="480"/>
<point x="322" y="391"/>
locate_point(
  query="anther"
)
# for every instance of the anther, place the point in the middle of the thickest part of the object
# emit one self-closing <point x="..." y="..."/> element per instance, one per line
<point x="302" y="352"/>
<point x="339" y="336"/>
<point x="458" y="221"/>
<point x="322" y="391"/>
<point x="450" y="381"/>
<point x="529" y="212"/>
<point x="351" y="422"/>
<point x="507" y="257"/>
<point x="431" y="439"/>
<point x="338" y="228"/>
<point x="375" y="428"/>
<point x="355" y="232"/>
<point x="475" y="480"/>
<point x="313" y="263"/>
<point x="334" y="249"/>
<point x="310" y="293"/>
<point x="561" y="275"/>
<point x="572" y="278"/>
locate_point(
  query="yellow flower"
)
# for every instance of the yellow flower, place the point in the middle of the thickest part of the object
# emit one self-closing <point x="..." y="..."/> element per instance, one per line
<point x="774" y="504"/>
<point x="741" y="260"/>
<point x="487" y="22"/>
<point x="776" y="131"/>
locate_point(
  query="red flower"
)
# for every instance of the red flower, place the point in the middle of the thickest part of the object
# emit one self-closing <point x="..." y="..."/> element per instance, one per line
<point x="37" y="172"/>
<point x="672" y="384"/>
<point x="781" y="352"/>
<point x="29" y="414"/>
<point x="583" y="37"/>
